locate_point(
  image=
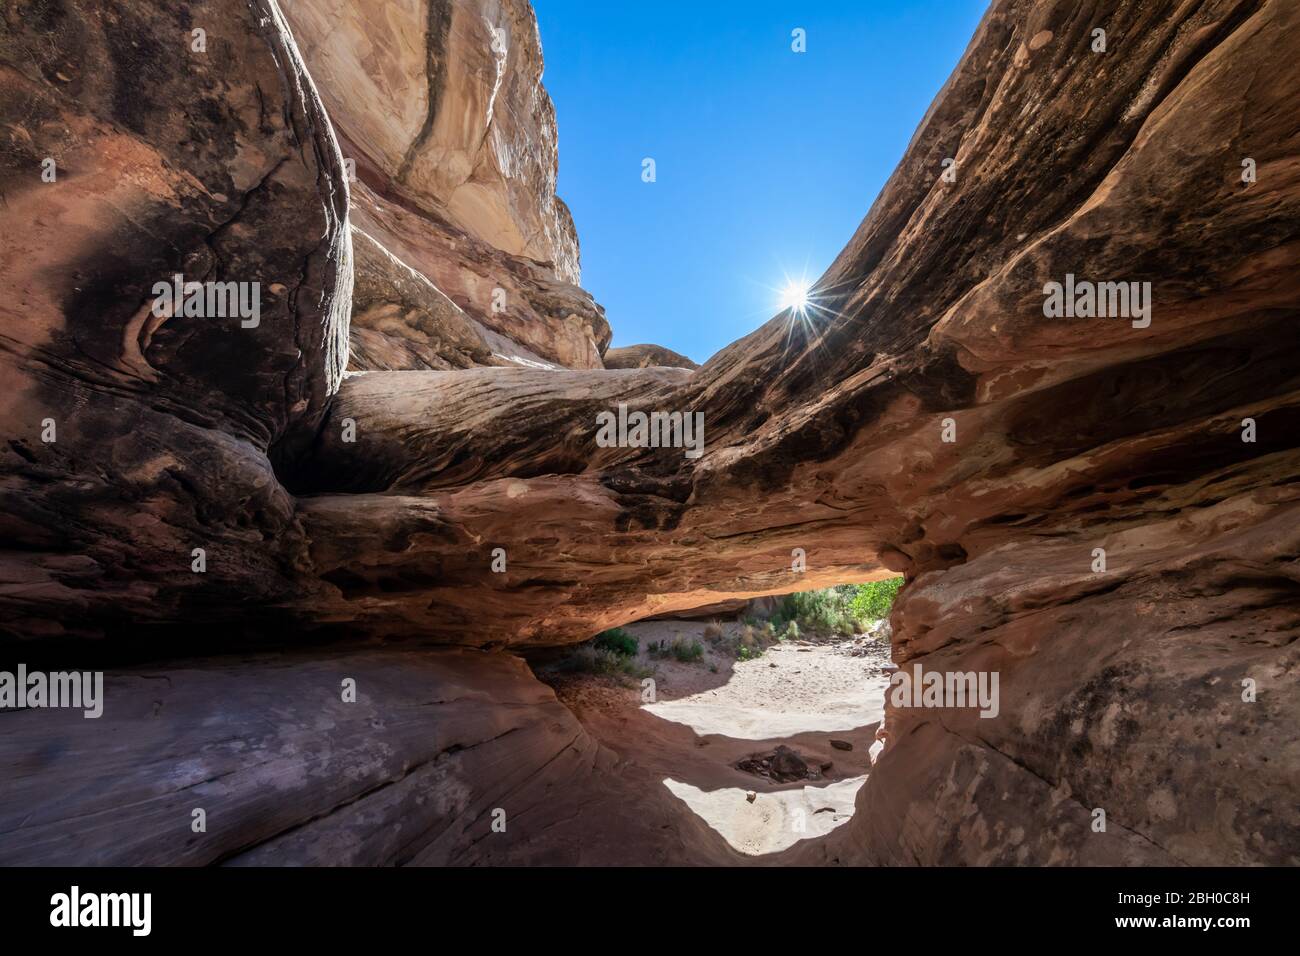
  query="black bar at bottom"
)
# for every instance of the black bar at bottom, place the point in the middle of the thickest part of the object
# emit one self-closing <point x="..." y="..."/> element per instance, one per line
<point x="742" y="907"/>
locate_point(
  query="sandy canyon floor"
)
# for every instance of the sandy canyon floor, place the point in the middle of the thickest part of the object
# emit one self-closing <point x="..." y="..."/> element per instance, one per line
<point x="713" y="722"/>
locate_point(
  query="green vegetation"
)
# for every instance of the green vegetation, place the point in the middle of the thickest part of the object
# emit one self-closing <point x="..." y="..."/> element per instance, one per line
<point x="874" y="599"/>
<point x="844" y="609"/>
<point x="589" y="659"/>
<point x="685" y="651"/>
<point x="610" y="653"/>
<point x="617" y="641"/>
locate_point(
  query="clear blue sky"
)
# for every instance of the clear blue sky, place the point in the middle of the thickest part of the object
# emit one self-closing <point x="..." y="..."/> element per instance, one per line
<point x="767" y="160"/>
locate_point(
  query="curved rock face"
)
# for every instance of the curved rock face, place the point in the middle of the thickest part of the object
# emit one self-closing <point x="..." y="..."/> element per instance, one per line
<point x="440" y="109"/>
<point x="401" y="320"/>
<point x="142" y="145"/>
<point x="537" y="320"/>
<point x="1102" y="510"/>
<point x="418" y="770"/>
<point x="445" y="99"/>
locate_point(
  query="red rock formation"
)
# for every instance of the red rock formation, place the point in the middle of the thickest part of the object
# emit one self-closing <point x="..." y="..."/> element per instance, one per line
<point x="132" y="438"/>
<point x="444" y="101"/>
<point x="643" y="356"/>
<point x="441" y="109"/>
<point x="927" y="417"/>
<point x="530" y="318"/>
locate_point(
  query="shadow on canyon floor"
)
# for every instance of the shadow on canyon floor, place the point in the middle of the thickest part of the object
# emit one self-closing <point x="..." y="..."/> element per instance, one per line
<point x="720" y="730"/>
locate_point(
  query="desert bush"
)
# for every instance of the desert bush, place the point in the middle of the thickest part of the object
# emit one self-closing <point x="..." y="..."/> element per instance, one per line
<point x="617" y="641"/>
<point x="686" y="651"/>
<point x="826" y="611"/>
<point x="713" y="632"/>
<point x="680" y="649"/>
<point x="598" y="660"/>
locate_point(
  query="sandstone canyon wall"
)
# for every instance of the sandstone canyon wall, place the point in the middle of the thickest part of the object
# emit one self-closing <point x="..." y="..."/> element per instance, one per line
<point x="926" y="417"/>
<point x="440" y="108"/>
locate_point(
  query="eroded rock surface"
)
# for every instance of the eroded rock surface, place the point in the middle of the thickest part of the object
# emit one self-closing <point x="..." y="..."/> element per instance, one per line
<point x="401" y="320"/>
<point x="441" y="111"/>
<point x="445" y="100"/>
<point x="643" y="356"/>
<point x="443" y="756"/>
<point x="929" y="418"/>
<point x="135" y="435"/>
<point x="548" y="322"/>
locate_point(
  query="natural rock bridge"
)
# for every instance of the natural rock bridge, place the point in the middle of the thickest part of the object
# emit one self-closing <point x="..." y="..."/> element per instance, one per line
<point x="926" y="418"/>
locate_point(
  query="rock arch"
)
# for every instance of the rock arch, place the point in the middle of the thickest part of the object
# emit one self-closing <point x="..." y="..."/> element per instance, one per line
<point x="1121" y="689"/>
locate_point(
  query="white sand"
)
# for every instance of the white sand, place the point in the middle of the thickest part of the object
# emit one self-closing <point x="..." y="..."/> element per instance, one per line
<point x="809" y="689"/>
<point x="774" y="821"/>
<point x="710" y="714"/>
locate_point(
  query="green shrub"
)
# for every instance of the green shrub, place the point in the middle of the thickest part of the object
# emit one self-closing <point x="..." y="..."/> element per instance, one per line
<point x="687" y="651"/>
<point x="680" y="649"/>
<point x="598" y="660"/>
<point x="825" y="611"/>
<point x="617" y="641"/>
<point x="874" y="599"/>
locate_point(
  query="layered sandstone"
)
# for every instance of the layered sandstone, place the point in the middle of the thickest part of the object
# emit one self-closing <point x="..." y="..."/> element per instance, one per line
<point x="444" y="98"/>
<point x="133" y="438"/>
<point x="443" y="756"/>
<point x="529" y="318"/>
<point x="441" y="111"/>
<point x="643" y="356"/>
<point x="929" y="419"/>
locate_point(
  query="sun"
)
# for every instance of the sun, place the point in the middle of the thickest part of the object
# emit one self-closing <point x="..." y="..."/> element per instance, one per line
<point x="795" y="296"/>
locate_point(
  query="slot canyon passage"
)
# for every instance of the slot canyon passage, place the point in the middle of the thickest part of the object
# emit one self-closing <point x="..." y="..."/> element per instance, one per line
<point x="350" y="463"/>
